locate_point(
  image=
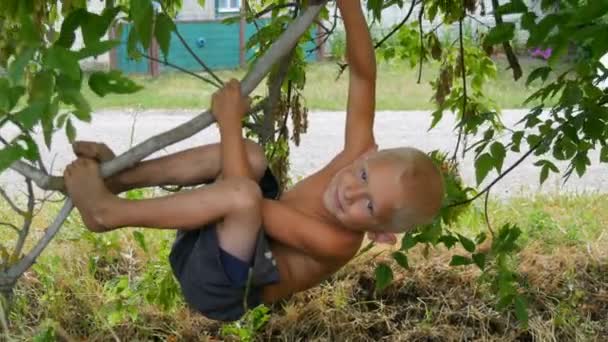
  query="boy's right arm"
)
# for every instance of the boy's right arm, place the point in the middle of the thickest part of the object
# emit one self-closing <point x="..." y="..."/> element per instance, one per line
<point x="312" y="237"/>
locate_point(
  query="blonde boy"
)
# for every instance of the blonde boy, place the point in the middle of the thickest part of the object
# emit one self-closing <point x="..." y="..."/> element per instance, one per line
<point x="237" y="228"/>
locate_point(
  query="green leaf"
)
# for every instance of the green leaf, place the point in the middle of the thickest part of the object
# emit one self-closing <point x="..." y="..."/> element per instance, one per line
<point x="539" y="32"/>
<point x="67" y="35"/>
<point x="480" y="238"/>
<point x="141" y="241"/>
<point x="593" y="9"/>
<point x="515" y="6"/>
<point x="97" y="48"/>
<point x="572" y="94"/>
<point x="81" y="106"/>
<point x="521" y="310"/>
<point x="544" y="173"/>
<point x="142" y="14"/>
<point x="468" y="245"/>
<point x="401" y="259"/>
<point x="5" y="101"/>
<point x="483" y="165"/>
<point x="30" y="115"/>
<point x="70" y="131"/>
<point x="448" y="240"/>
<point x="64" y="60"/>
<point x="30" y="152"/>
<point x="480" y="260"/>
<point x="9" y="155"/>
<point x="42" y="87"/>
<point x="604" y="154"/>
<point x="162" y="32"/>
<point x="498" y="153"/>
<point x="581" y="161"/>
<point x="542" y="73"/>
<point x="528" y="21"/>
<point x="103" y="83"/>
<point x="408" y="241"/>
<point x="375" y="6"/>
<point x="384" y="276"/>
<point x="500" y="33"/>
<point x="48" y="117"/>
<point x="17" y="67"/>
<point x="132" y="45"/>
<point x="459" y="260"/>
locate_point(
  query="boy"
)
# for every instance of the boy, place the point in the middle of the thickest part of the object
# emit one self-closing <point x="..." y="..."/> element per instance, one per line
<point x="238" y="245"/>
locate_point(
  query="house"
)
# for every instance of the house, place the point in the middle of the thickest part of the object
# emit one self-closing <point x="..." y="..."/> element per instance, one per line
<point x="219" y="45"/>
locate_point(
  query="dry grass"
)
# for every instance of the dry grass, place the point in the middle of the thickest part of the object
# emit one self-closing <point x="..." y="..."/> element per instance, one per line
<point x="72" y="289"/>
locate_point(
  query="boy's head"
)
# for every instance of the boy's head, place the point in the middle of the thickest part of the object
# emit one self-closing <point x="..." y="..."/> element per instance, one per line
<point x="387" y="191"/>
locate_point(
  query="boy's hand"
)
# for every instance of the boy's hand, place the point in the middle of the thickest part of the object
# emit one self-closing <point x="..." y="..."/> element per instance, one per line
<point x="228" y="105"/>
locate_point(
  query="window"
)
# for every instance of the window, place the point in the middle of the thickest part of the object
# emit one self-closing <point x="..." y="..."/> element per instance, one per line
<point x="228" y="5"/>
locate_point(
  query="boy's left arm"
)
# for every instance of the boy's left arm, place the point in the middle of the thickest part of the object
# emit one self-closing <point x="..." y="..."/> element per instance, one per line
<point x="359" y="136"/>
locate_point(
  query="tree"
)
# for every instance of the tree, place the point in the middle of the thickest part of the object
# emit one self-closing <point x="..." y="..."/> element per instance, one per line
<point x="43" y="78"/>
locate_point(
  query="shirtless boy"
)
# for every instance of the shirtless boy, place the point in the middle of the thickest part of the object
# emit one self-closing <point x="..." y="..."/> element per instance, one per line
<point x="234" y="231"/>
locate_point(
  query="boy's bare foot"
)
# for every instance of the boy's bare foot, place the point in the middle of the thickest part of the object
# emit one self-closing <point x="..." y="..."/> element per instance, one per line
<point x="89" y="194"/>
<point x="92" y="150"/>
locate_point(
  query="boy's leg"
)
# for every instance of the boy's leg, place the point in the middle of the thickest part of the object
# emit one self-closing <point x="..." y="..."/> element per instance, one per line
<point x="234" y="203"/>
<point x="193" y="166"/>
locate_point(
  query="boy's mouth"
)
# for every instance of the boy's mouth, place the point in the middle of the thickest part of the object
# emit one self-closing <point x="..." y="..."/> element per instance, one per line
<point x="338" y="203"/>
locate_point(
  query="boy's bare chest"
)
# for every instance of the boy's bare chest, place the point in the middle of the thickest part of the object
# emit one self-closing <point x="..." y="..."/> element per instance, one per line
<point x="307" y="195"/>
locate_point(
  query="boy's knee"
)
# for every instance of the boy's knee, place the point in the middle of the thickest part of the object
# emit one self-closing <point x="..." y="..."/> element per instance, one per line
<point x="245" y="195"/>
<point x="257" y="159"/>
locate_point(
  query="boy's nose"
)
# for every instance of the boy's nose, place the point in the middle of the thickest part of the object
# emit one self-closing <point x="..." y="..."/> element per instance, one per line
<point x="353" y="193"/>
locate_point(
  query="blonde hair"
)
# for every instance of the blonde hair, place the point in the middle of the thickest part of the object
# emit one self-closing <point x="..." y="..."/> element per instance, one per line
<point x="421" y="176"/>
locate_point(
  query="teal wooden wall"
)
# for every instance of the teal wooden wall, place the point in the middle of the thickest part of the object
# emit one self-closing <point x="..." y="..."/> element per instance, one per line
<point x="220" y="50"/>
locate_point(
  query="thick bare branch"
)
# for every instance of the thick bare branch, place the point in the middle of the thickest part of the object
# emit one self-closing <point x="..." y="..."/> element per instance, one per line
<point x="27" y="219"/>
<point x="42" y="180"/>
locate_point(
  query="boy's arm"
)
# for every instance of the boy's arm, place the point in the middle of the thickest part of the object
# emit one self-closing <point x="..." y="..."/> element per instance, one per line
<point x="361" y="58"/>
<point x="307" y="235"/>
<point x="228" y="107"/>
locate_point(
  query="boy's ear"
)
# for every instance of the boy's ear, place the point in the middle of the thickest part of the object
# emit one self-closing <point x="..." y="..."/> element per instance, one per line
<point x="382" y="237"/>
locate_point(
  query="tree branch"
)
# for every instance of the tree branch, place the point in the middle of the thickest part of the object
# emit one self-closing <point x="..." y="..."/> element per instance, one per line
<point x="463" y="71"/>
<point x="398" y="26"/>
<point x="421" y="42"/>
<point x="11" y="203"/>
<point x="198" y="59"/>
<point x="27" y="219"/>
<point x="177" y="67"/>
<point x="500" y="176"/>
<point x="511" y="57"/>
<point x="278" y="50"/>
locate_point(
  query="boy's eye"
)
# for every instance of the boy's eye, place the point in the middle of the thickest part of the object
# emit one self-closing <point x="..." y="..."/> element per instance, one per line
<point x="364" y="175"/>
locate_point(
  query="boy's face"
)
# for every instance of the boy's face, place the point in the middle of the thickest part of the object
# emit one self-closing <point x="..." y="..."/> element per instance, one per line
<point x="364" y="195"/>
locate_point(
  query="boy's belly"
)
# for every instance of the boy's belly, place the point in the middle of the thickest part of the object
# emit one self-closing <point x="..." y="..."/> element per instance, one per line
<point x="298" y="272"/>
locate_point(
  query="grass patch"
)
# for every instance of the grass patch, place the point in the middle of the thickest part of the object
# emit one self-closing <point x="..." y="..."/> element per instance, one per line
<point x="397" y="88"/>
<point x="100" y="286"/>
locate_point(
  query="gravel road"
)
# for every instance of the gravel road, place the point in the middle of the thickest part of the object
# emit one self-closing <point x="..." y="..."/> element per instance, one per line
<point x="123" y="128"/>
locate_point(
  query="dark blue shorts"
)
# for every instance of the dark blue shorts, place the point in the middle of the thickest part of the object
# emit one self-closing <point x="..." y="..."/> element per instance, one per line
<point x="213" y="281"/>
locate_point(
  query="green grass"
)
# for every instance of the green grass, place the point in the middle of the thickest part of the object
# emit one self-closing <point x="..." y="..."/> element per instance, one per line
<point x="97" y="287"/>
<point x="397" y="88"/>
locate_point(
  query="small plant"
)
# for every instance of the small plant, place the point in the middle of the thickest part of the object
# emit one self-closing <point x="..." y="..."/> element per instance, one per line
<point x="249" y="325"/>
